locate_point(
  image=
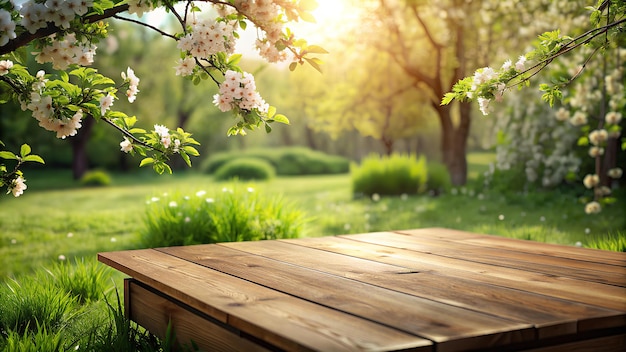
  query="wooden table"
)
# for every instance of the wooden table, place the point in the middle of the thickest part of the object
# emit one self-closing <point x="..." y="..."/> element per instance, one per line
<point x="421" y="290"/>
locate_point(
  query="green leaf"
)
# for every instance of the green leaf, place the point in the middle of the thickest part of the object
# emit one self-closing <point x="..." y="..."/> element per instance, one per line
<point x="448" y="98"/>
<point x="268" y="128"/>
<point x="185" y="158"/>
<point x="271" y="111"/>
<point x="25" y="150"/>
<point x="34" y="158"/>
<point x="307" y="17"/>
<point x="243" y="25"/>
<point x="146" y="161"/>
<point x="64" y="76"/>
<point x="583" y="141"/>
<point x="316" y="49"/>
<point x="292" y="66"/>
<point x="281" y="118"/>
<point x="7" y="155"/>
<point x="191" y="150"/>
<point x="137" y="130"/>
<point x="234" y="59"/>
<point x="315" y="62"/>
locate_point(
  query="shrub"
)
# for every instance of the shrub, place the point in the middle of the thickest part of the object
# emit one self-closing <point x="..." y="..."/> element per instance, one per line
<point x="438" y="178"/>
<point x="245" y="169"/>
<point x="216" y="161"/>
<point x="286" y="161"/>
<point x="393" y="175"/>
<point x="228" y="216"/>
<point x="95" y="178"/>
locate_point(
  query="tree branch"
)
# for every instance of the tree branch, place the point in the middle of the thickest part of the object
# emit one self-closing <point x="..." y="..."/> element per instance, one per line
<point x="27" y="37"/>
<point x="591" y="34"/>
<point x="129" y="135"/>
<point x="163" y="33"/>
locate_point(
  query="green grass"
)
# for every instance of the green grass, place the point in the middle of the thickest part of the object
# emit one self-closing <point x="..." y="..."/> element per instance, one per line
<point x="74" y="222"/>
<point x="55" y="296"/>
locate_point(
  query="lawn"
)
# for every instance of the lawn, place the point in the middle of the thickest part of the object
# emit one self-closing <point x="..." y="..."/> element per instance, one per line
<point x="58" y="220"/>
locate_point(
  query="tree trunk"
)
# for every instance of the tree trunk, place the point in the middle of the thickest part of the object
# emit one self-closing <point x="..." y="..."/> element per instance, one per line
<point x="80" y="160"/>
<point x="310" y="137"/>
<point x="454" y="142"/>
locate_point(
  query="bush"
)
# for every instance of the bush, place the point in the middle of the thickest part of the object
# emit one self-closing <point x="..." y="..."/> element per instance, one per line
<point x="228" y="216"/>
<point x="286" y="161"/>
<point x="393" y="175"/>
<point x="438" y="178"/>
<point x="96" y="178"/>
<point x="245" y="169"/>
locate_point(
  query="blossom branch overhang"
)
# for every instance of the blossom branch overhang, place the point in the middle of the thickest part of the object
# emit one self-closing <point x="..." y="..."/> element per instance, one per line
<point x="130" y="135"/>
<point x="163" y="33"/>
<point x="26" y="37"/>
<point x="593" y="33"/>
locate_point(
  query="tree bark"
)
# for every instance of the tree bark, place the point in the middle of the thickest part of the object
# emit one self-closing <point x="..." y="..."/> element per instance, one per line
<point x="80" y="160"/>
<point x="454" y="141"/>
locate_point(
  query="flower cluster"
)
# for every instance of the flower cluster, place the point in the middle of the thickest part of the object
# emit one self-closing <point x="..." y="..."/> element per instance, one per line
<point x="238" y="91"/>
<point x="17" y="186"/>
<point x="133" y="83"/>
<point x="68" y="51"/>
<point x="7" y="27"/>
<point x="543" y="148"/>
<point x="208" y="37"/>
<point x="36" y="15"/>
<point x="166" y="139"/>
<point x="44" y="112"/>
<point x="138" y="7"/>
<point x="5" y="66"/>
<point x="488" y="75"/>
<point x="266" y="15"/>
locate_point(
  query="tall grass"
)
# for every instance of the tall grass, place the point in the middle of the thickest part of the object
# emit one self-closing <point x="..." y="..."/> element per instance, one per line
<point x="613" y="241"/>
<point x="46" y="312"/>
<point x="232" y="214"/>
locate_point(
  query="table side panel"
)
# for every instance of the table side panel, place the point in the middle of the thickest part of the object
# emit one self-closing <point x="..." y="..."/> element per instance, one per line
<point x="154" y="312"/>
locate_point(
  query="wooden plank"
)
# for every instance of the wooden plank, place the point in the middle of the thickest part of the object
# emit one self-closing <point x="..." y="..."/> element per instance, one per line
<point x="548" y="249"/>
<point x="607" y="296"/>
<point x="155" y="312"/>
<point x="279" y="319"/>
<point x="550" y="316"/>
<point x="451" y="327"/>
<point x="594" y="272"/>
<point x="615" y="343"/>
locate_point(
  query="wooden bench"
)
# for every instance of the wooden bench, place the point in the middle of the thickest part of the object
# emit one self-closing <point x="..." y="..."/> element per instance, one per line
<point x="419" y="290"/>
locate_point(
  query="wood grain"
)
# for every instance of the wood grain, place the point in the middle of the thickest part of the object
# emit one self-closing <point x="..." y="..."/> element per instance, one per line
<point x="448" y="325"/>
<point x="588" y="271"/>
<point x="423" y="290"/>
<point x="279" y="319"/>
<point x="577" y="290"/>
<point x="549" y="315"/>
<point x="534" y="247"/>
<point x="154" y="312"/>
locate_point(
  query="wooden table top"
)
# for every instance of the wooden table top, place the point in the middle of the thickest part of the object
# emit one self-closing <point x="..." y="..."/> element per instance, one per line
<point x="425" y="289"/>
